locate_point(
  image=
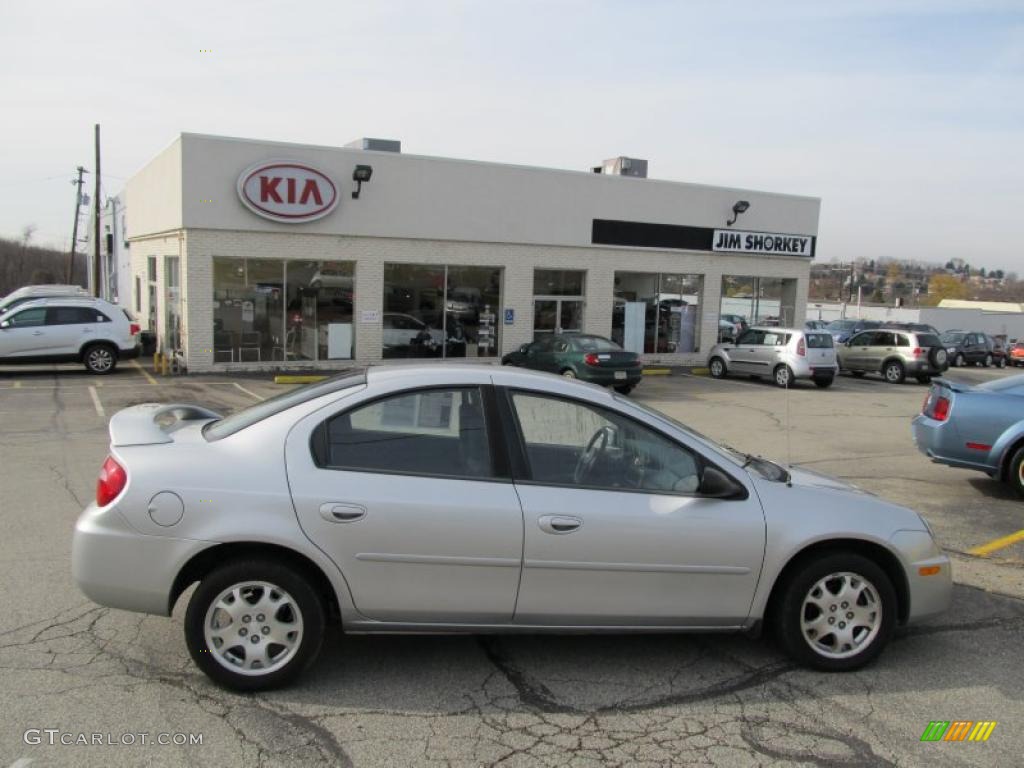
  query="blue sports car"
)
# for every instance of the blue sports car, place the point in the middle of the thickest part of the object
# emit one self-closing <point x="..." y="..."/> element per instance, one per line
<point x="975" y="427"/>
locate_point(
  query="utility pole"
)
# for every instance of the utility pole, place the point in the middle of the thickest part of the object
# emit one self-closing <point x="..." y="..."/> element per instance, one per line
<point x="96" y="222"/>
<point x="74" y="230"/>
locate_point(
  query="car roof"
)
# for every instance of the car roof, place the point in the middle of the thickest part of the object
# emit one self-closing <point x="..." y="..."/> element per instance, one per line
<point x="776" y="329"/>
<point x="55" y="289"/>
<point x="66" y="301"/>
<point x="468" y="374"/>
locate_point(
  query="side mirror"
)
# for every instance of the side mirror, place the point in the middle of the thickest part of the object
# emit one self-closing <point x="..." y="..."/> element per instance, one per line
<point x="715" y="484"/>
<point x="523" y="348"/>
<point x="5" y="324"/>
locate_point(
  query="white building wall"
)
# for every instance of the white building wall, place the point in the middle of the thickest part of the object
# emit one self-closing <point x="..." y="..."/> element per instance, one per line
<point x="518" y="263"/>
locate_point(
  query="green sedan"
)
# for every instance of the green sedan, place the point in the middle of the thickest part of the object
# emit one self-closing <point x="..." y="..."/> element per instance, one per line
<point x="581" y="356"/>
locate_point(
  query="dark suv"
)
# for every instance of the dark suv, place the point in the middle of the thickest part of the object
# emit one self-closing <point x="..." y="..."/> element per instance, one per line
<point x="967" y="347"/>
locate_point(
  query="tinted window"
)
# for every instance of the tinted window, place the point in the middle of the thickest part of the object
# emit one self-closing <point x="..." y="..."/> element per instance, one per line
<point x="861" y="340"/>
<point x="902" y="341"/>
<point x="436" y="432"/>
<point x="74" y="316"/>
<point x="952" y="338"/>
<point x="928" y="340"/>
<point x="239" y="420"/>
<point x="882" y="339"/>
<point x="751" y="337"/>
<point x="595" y="344"/>
<point x="28" y="317"/>
<point x="819" y="340"/>
<point x="841" y="325"/>
<point x="576" y="444"/>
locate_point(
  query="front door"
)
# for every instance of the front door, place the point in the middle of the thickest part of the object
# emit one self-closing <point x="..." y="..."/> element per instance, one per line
<point x="857" y="355"/>
<point x="24" y="333"/>
<point x="615" y="530"/>
<point x="402" y="495"/>
<point x="744" y="354"/>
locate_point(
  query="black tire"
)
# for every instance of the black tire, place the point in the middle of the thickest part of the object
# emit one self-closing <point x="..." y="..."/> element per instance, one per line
<point x="939" y="358"/>
<point x="310" y="610"/>
<point x="625" y="389"/>
<point x="717" y="368"/>
<point x="100" y="358"/>
<point x="783" y="376"/>
<point x="824" y="382"/>
<point x="568" y="373"/>
<point x="924" y="379"/>
<point x="959" y="361"/>
<point x="792" y="607"/>
<point x="987" y="362"/>
<point x="857" y="374"/>
<point x="894" y="372"/>
<point x="1001" y="363"/>
<point x="1015" y="472"/>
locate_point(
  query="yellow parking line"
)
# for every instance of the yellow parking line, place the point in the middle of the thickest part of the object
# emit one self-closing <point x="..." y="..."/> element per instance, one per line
<point x="144" y="372"/>
<point x="286" y="379"/>
<point x="997" y="544"/>
<point x="657" y="371"/>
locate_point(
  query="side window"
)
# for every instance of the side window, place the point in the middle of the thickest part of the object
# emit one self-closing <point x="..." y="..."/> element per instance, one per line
<point x="74" y="316"/>
<point x="571" y="443"/>
<point x="861" y="340"/>
<point x="436" y="432"/>
<point x="902" y="340"/>
<point x="882" y="339"/>
<point x="751" y="337"/>
<point x="561" y="346"/>
<point x="28" y="318"/>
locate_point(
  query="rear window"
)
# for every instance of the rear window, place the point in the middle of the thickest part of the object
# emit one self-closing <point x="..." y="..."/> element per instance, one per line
<point x="239" y="420"/>
<point x="596" y="344"/>
<point x="819" y="340"/>
<point x="952" y="338"/>
<point x="928" y="340"/>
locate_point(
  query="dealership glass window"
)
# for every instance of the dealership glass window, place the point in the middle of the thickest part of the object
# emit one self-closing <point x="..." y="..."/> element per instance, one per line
<point x="749" y="300"/>
<point x="248" y="309"/>
<point x="558" y="301"/>
<point x="441" y="311"/>
<point x="318" y="316"/>
<point x="172" y="302"/>
<point x="657" y="312"/>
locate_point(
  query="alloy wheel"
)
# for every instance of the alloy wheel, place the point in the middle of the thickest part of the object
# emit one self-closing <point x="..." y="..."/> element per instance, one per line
<point x="253" y="628"/>
<point x="841" y="615"/>
<point x="100" y="359"/>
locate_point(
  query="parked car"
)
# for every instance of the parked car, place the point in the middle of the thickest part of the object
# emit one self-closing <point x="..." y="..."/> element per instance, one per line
<point x="467" y="498"/>
<point x="966" y="348"/>
<point x="739" y="323"/>
<point x="997" y="347"/>
<point x="842" y="330"/>
<point x="727" y="331"/>
<point x="408" y="336"/>
<point x="30" y="292"/>
<point x="90" y="331"/>
<point x="814" y="325"/>
<point x="894" y="354"/>
<point x="919" y="327"/>
<point x="975" y="427"/>
<point x="1017" y="353"/>
<point x="581" y="356"/>
<point x="784" y="354"/>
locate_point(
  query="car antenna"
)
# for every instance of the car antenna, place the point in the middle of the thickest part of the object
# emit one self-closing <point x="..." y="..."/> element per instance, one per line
<point x="789" y="450"/>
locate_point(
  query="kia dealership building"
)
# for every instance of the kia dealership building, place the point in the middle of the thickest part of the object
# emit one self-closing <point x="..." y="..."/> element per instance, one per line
<point x="258" y="254"/>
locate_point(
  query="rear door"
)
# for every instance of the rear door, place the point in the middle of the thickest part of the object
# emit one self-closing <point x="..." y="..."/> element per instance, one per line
<point x="819" y="349"/>
<point x="405" y="494"/>
<point x="883" y="345"/>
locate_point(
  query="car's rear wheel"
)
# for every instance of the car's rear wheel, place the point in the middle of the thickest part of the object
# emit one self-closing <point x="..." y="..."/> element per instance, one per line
<point x="894" y="372"/>
<point x="824" y="382"/>
<point x="99" y="358"/>
<point x="254" y="625"/>
<point x="1015" y="473"/>
<point x="717" y="368"/>
<point x="625" y="389"/>
<point x="987" y="362"/>
<point x="836" y="613"/>
<point x="1001" y="363"/>
<point x="569" y="373"/>
<point x="783" y="376"/>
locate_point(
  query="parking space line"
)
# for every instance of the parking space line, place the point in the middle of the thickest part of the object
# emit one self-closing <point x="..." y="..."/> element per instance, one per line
<point x="96" y="402"/>
<point x="17" y="385"/>
<point x="997" y="544"/>
<point x="144" y="372"/>
<point x="247" y="391"/>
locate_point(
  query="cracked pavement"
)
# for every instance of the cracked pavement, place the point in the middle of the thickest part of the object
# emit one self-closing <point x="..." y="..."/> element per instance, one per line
<point x="619" y="700"/>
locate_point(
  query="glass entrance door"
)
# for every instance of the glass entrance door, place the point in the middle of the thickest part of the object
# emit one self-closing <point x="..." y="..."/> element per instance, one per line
<point x="557" y="316"/>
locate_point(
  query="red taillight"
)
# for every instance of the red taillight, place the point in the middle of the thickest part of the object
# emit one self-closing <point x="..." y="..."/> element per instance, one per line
<point x="801" y="348"/>
<point x="591" y="359"/>
<point x="918" y="352"/>
<point x="940" y="411"/>
<point x="134" y="328"/>
<point x="111" y="482"/>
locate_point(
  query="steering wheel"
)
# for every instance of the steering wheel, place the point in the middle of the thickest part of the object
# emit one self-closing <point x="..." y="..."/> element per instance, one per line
<point x="597" y="445"/>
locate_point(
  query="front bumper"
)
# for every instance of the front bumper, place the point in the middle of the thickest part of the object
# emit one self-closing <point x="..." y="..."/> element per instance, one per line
<point x="115" y="565"/>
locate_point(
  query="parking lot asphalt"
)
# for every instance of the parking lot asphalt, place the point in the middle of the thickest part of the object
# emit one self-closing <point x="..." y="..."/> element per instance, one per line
<point x="518" y="701"/>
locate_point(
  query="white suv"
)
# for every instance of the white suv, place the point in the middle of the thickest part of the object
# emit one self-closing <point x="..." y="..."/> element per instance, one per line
<point x="31" y="292"/>
<point x="69" y="329"/>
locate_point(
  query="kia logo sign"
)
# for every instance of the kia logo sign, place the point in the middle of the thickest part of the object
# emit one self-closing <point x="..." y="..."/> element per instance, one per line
<point x="288" y="192"/>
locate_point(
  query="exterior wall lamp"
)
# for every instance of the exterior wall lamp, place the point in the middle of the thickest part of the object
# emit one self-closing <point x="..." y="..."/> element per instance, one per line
<point x="741" y="206"/>
<point x="359" y="175"/>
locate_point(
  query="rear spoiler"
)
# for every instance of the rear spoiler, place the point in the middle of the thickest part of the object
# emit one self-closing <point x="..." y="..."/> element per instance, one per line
<point x="952" y="386"/>
<point x="152" y="423"/>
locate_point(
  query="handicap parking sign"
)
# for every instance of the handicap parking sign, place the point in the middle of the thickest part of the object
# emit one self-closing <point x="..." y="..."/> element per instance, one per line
<point x="510" y="316"/>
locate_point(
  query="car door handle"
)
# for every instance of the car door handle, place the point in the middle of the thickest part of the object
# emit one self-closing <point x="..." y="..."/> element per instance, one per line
<point x="337" y="512"/>
<point x="559" y="524"/>
<point x="37" y="333"/>
<point x="87" y="330"/>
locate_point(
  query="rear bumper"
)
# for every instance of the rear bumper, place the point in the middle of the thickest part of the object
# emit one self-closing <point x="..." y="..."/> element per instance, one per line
<point x="940" y="441"/>
<point x="606" y="377"/>
<point x="129" y="354"/>
<point x="116" y="566"/>
<point x="805" y="370"/>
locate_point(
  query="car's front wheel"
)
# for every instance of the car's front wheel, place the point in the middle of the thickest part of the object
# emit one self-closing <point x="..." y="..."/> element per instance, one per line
<point x="99" y="358"/>
<point x="959" y="361"/>
<point x="987" y="362"/>
<point x="1015" y="472"/>
<point x="837" y="612"/>
<point x="254" y="624"/>
<point x="717" y="368"/>
<point x="624" y="389"/>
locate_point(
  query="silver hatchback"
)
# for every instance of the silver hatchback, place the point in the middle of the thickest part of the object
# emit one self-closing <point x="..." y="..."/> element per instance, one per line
<point x="477" y="498"/>
<point x="783" y="354"/>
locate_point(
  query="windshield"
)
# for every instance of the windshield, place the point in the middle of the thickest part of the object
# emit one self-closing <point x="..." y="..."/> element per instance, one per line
<point x="841" y="325"/>
<point x="246" y="417"/>
<point x="952" y="338"/>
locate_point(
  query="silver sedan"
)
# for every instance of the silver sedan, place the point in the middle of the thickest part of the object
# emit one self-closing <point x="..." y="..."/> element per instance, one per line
<point x="438" y="498"/>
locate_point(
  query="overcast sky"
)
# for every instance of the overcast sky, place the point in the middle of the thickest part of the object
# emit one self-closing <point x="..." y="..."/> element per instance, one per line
<point x="905" y="117"/>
